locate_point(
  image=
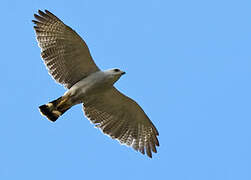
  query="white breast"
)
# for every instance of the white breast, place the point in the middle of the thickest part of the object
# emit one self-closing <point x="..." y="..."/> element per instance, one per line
<point x="92" y="84"/>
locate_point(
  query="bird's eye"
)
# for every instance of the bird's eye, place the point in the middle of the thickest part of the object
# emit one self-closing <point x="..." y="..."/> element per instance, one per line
<point x="116" y="70"/>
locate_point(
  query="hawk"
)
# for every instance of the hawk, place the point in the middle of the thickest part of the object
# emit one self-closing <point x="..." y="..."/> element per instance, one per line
<point x="69" y="62"/>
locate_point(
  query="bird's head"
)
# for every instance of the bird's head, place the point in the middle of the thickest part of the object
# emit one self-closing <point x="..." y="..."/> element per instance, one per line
<point x="114" y="74"/>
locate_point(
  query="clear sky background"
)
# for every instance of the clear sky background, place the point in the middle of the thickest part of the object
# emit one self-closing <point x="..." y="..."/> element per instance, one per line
<point x="188" y="65"/>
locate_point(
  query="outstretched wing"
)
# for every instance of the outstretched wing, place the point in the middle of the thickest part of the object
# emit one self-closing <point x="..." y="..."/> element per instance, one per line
<point x="64" y="52"/>
<point x="123" y="119"/>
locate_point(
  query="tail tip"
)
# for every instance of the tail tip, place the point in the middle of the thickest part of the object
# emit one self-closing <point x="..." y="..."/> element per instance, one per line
<point x="46" y="110"/>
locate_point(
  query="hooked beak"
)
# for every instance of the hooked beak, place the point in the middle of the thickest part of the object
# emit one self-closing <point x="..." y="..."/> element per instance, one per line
<point x="123" y="73"/>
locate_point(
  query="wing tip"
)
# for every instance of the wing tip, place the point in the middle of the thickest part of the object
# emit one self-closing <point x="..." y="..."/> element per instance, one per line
<point x="45" y="16"/>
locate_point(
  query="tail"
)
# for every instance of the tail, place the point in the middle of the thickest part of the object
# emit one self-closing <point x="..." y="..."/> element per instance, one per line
<point x="55" y="108"/>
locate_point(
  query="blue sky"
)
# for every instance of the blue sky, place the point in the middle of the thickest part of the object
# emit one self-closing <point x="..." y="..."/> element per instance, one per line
<point x="188" y="65"/>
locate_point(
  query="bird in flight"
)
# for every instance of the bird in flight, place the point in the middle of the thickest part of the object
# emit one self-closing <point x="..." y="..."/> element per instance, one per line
<point x="69" y="62"/>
